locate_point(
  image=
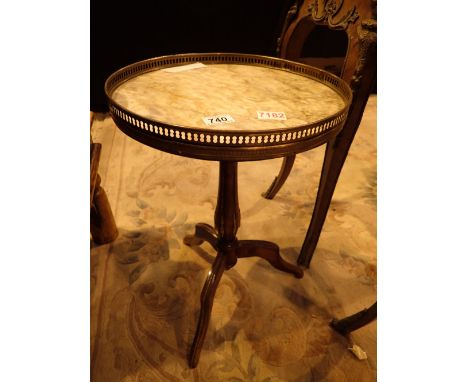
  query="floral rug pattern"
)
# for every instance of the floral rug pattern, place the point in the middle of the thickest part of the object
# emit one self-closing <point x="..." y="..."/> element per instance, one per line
<point x="266" y="326"/>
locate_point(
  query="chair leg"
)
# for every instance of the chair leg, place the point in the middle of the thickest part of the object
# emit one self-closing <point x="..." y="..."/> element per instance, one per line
<point x="103" y="228"/>
<point x="355" y="321"/>
<point x="283" y="174"/>
<point x="335" y="155"/>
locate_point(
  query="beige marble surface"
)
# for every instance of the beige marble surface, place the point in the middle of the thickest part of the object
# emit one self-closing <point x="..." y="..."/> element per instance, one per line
<point x="185" y="97"/>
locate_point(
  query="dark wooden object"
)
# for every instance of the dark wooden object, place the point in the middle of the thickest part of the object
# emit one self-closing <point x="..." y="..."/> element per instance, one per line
<point x="358" y="19"/>
<point x="354" y="322"/>
<point x="227" y="147"/>
<point x="223" y="239"/>
<point x="103" y="228"/>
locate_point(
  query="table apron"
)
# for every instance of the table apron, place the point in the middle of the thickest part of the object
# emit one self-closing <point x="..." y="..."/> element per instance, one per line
<point x="228" y="153"/>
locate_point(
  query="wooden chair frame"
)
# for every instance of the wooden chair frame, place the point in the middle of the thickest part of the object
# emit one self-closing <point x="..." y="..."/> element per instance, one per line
<point x="358" y="19"/>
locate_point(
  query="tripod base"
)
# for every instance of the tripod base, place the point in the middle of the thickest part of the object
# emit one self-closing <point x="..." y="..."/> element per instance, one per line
<point x="227" y="255"/>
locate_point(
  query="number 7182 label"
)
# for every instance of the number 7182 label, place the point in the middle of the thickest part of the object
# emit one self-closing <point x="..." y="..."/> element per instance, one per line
<point x="271" y="115"/>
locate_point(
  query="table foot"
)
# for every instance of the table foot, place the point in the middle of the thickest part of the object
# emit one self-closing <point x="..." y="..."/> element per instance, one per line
<point x="203" y="232"/>
<point x="206" y="300"/>
<point x="270" y="252"/>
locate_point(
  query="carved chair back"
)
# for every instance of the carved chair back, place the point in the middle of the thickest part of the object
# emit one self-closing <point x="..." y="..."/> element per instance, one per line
<point x="355" y="17"/>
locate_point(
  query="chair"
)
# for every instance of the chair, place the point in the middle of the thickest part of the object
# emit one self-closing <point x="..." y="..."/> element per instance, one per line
<point x="355" y="321"/>
<point x="103" y="228"/>
<point x="357" y="18"/>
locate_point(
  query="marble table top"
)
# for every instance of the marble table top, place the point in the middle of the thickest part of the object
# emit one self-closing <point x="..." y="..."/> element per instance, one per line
<point x="184" y="97"/>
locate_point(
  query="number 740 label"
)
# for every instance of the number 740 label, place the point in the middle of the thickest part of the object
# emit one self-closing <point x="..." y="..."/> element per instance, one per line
<point x="217" y="119"/>
<point x="271" y="115"/>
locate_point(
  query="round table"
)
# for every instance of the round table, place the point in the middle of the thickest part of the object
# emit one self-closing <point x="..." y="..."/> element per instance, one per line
<point x="227" y="107"/>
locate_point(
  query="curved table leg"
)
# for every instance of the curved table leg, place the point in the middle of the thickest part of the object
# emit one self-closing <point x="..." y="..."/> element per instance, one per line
<point x="206" y="300"/>
<point x="268" y="251"/>
<point x="355" y="321"/>
<point x="283" y="174"/>
<point x="203" y="232"/>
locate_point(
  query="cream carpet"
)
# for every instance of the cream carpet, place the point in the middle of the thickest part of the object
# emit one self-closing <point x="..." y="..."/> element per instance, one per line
<point x="266" y="325"/>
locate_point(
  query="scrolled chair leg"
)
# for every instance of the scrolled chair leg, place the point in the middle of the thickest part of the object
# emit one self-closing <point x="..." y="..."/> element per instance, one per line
<point x="355" y="321"/>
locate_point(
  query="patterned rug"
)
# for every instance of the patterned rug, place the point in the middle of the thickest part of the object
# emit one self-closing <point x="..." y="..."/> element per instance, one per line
<point x="266" y="325"/>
